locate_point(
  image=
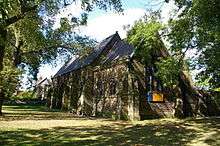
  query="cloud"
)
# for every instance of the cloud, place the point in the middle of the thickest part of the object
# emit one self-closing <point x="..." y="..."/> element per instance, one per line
<point x="99" y="28"/>
<point x="108" y="23"/>
<point x="103" y="25"/>
<point x="167" y="11"/>
<point x="71" y="10"/>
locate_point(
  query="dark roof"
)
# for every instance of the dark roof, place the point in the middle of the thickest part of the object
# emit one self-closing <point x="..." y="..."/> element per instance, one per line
<point x="118" y="50"/>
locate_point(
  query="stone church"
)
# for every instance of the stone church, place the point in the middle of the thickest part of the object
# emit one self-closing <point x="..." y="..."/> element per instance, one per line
<point x="112" y="82"/>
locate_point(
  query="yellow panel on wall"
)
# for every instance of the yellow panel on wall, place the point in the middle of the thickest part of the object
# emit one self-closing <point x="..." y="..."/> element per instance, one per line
<point x="157" y="97"/>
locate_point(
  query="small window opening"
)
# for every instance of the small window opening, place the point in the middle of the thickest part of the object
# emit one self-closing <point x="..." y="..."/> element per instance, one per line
<point x="112" y="87"/>
<point x="155" y="94"/>
<point x="100" y="88"/>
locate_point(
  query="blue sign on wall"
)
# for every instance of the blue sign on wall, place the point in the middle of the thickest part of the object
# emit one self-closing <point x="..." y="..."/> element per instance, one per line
<point x="149" y="96"/>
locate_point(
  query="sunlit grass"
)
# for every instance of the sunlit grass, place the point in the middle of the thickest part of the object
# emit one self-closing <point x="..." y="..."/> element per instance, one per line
<point x="35" y="125"/>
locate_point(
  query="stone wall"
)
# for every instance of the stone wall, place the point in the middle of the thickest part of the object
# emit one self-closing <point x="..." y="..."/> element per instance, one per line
<point x="117" y="91"/>
<point x="110" y="99"/>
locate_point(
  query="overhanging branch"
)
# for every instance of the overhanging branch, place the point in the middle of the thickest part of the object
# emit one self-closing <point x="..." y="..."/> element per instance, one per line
<point x="16" y="18"/>
<point x="40" y="51"/>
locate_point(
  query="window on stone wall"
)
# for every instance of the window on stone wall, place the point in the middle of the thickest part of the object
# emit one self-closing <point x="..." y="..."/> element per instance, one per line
<point x="112" y="87"/>
<point x="156" y="92"/>
<point x="100" y="88"/>
<point x="159" y="86"/>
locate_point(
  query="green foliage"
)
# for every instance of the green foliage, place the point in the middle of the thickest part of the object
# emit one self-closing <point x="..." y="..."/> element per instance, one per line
<point x="31" y="36"/>
<point x="145" y="37"/>
<point x="147" y="41"/>
<point x="33" y="22"/>
<point x="24" y="95"/>
<point x="9" y="78"/>
<point x="34" y="125"/>
<point x="197" y="27"/>
<point x="168" y="71"/>
<point x="217" y="89"/>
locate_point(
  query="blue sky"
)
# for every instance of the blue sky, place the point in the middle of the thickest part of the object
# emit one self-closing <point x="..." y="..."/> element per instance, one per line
<point x="101" y="24"/>
<point x="127" y="4"/>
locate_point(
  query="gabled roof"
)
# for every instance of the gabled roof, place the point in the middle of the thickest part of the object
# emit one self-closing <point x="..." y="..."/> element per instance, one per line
<point x="118" y="50"/>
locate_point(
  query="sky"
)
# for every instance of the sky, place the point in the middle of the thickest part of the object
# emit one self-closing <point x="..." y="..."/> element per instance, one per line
<point x="101" y="24"/>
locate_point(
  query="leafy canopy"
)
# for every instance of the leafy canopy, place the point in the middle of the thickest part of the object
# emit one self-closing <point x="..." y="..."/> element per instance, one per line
<point x="30" y="38"/>
<point x="197" y="27"/>
<point x="144" y="35"/>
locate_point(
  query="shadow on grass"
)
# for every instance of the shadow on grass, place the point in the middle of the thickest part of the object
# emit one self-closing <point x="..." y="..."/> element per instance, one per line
<point x="108" y="133"/>
<point x="211" y="124"/>
<point x="168" y="134"/>
<point x="21" y="107"/>
<point x="36" y="112"/>
<point x="213" y="140"/>
<point x="32" y="112"/>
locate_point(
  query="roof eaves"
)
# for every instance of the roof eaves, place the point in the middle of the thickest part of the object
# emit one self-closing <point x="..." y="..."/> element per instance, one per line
<point x="88" y="60"/>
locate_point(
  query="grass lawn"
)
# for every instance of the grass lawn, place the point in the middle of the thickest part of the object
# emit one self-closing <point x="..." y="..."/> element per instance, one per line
<point x="33" y="125"/>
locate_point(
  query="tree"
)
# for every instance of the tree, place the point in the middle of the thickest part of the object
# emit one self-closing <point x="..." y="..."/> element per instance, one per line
<point x="9" y="78"/>
<point x="197" y="27"/>
<point x="146" y="36"/>
<point x="169" y="66"/>
<point x="27" y="34"/>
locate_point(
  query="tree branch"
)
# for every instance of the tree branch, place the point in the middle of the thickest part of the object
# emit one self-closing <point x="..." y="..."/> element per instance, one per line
<point x="13" y="45"/>
<point x="4" y="14"/>
<point x="47" y="49"/>
<point x="24" y="10"/>
<point x="189" y="46"/>
<point x="16" y="18"/>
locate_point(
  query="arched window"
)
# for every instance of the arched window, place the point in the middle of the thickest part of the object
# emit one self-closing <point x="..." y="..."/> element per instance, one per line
<point x="100" y="88"/>
<point x="112" y="86"/>
<point x="156" y="90"/>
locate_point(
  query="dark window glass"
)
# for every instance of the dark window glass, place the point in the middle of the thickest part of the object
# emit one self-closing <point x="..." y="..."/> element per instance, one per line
<point x="100" y="88"/>
<point x="112" y="87"/>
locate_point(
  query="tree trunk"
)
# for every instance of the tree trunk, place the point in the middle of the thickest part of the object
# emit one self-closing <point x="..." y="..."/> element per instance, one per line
<point x="185" y="93"/>
<point x="17" y="55"/>
<point x="17" y="51"/>
<point x="3" y="37"/>
<point x="2" y="95"/>
<point x="1" y="104"/>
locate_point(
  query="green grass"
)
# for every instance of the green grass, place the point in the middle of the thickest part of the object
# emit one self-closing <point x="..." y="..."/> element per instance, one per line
<point x="34" y="125"/>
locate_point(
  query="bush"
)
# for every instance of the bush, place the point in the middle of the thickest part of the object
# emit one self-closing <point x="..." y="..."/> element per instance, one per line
<point x="25" y="95"/>
<point x="9" y="79"/>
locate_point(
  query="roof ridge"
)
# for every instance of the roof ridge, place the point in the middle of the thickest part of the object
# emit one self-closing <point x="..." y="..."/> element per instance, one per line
<point x="90" y="58"/>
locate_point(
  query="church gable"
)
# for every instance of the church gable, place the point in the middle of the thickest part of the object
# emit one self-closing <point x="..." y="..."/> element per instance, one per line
<point x="110" y="49"/>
